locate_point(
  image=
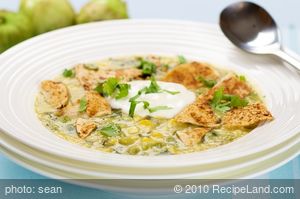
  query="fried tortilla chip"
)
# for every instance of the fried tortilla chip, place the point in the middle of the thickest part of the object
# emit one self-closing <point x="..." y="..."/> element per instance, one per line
<point x="96" y="104"/>
<point x="188" y="74"/>
<point x="232" y="85"/>
<point x="128" y="74"/>
<point x="246" y="117"/>
<point x="84" y="127"/>
<point x="55" y="93"/>
<point x="193" y="136"/>
<point x="199" y="113"/>
<point x="89" y="79"/>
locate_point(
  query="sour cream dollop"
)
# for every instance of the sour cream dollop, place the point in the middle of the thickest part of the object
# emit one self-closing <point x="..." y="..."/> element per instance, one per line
<point x="175" y="102"/>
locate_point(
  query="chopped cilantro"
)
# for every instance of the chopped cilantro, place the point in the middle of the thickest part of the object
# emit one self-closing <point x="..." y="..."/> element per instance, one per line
<point x="148" y="68"/>
<point x="110" y="130"/>
<point x="133" y="105"/>
<point x="69" y="73"/>
<point x="236" y="101"/>
<point x="82" y="104"/>
<point x="99" y="88"/>
<point x="207" y="82"/>
<point x="132" y="108"/>
<point x="146" y="105"/>
<point x="122" y="91"/>
<point x="109" y="86"/>
<point x="112" y="87"/>
<point x="171" y="92"/>
<point x="224" y="102"/>
<point x="135" y="97"/>
<point x="226" y="97"/>
<point x="181" y="59"/>
<point x="153" y="88"/>
<point x="218" y="96"/>
<point x="222" y="108"/>
<point x="242" y="78"/>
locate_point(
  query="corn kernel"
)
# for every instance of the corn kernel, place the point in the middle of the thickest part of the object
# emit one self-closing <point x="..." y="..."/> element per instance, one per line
<point x="110" y="142"/>
<point x="146" y="139"/>
<point x="132" y="130"/>
<point x="145" y="147"/>
<point x="147" y="123"/>
<point x="156" y="135"/>
<point x="173" y="150"/>
<point x="127" y="140"/>
<point x="133" y="150"/>
<point x="174" y="123"/>
<point x="147" y="143"/>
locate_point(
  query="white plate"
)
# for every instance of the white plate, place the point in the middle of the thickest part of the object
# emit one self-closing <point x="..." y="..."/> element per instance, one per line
<point x="24" y="66"/>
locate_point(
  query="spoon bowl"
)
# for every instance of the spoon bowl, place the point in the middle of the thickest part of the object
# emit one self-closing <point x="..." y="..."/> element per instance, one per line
<point x="251" y="28"/>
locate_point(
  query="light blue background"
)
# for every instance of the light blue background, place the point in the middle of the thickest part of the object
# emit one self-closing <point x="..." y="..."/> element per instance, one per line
<point x="286" y="13"/>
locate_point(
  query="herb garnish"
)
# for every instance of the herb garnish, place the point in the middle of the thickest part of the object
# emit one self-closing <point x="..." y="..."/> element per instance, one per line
<point x="242" y="78"/>
<point x="223" y="102"/>
<point x="122" y="90"/>
<point x="171" y="92"/>
<point x="153" y="88"/>
<point x="236" y="101"/>
<point x="146" y="105"/>
<point x="148" y="68"/>
<point x="99" y="89"/>
<point x="133" y="104"/>
<point x="110" y="130"/>
<point x="69" y="73"/>
<point x="112" y="87"/>
<point x="109" y="86"/>
<point x="207" y="82"/>
<point x="82" y="104"/>
<point x="181" y="59"/>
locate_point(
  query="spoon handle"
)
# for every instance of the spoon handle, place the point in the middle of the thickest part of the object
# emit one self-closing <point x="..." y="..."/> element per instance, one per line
<point x="289" y="57"/>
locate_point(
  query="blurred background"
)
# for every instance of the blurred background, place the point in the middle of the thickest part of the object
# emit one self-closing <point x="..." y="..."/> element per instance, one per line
<point x="285" y="12"/>
<point x="14" y="28"/>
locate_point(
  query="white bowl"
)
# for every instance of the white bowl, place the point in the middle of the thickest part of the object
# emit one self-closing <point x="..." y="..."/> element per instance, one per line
<point x="239" y="168"/>
<point x="43" y="57"/>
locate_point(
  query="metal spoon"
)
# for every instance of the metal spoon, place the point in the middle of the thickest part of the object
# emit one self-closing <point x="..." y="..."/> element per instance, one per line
<point x="251" y="28"/>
